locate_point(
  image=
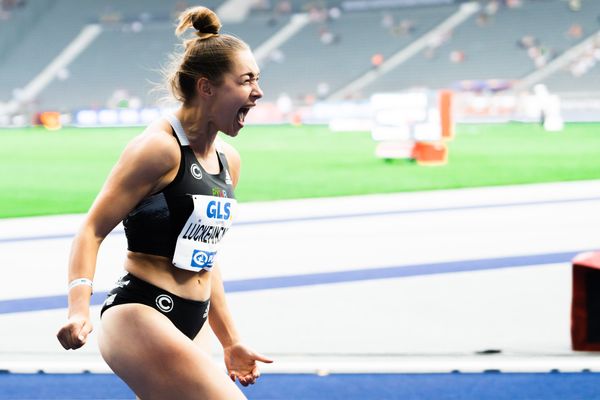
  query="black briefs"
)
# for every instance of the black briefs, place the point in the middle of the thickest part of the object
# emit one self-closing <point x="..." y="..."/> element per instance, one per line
<point x="187" y="315"/>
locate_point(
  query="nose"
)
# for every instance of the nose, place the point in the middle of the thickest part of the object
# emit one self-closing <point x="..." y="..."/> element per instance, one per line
<point x="257" y="92"/>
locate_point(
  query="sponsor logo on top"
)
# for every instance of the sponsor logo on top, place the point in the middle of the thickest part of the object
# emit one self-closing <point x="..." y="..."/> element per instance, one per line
<point x="218" y="192"/>
<point x="196" y="171"/>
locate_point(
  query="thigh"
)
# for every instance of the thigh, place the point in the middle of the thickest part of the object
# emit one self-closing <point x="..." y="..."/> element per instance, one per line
<point x="205" y="338"/>
<point x="156" y="360"/>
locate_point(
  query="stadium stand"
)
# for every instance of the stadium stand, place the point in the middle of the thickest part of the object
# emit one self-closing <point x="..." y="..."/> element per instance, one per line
<point x="15" y="20"/>
<point x="506" y="40"/>
<point x="52" y="24"/>
<point x="497" y="53"/>
<point x="99" y="72"/>
<point x="313" y="60"/>
<point x="580" y="75"/>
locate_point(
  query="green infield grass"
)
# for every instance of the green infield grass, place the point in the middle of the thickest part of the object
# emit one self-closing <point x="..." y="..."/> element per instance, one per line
<point x="58" y="172"/>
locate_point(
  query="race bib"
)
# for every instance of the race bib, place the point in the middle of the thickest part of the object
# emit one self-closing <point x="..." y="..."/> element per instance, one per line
<point x="198" y="242"/>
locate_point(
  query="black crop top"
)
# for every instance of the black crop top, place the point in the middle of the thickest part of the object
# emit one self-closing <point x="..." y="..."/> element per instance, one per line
<point x="188" y="218"/>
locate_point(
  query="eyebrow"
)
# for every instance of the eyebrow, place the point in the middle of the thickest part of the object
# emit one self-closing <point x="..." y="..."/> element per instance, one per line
<point x="251" y="74"/>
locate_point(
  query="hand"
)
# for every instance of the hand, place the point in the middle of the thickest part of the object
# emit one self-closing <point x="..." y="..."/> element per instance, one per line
<point x="241" y="363"/>
<point x="75" y="332"/>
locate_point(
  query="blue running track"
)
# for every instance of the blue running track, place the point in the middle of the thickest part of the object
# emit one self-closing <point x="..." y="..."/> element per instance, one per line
<point x="464" y="386"/>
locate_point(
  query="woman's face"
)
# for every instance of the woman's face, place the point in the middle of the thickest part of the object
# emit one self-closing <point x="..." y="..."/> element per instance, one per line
<point x="237" y="94"/>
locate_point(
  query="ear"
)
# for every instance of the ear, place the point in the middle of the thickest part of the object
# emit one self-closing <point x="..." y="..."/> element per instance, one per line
<point x="204" y="87"/>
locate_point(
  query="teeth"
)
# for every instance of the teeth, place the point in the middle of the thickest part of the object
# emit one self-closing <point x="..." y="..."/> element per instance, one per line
<point x="242" y="113"/>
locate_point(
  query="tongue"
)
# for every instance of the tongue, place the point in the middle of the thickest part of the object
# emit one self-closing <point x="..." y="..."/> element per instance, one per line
<point x="241" y="116"/>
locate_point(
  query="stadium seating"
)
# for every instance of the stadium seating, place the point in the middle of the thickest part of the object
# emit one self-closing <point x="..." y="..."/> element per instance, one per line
<point x="491" y="50"/>
<point x="357" y="38"/>
<point x="325" y="55"/>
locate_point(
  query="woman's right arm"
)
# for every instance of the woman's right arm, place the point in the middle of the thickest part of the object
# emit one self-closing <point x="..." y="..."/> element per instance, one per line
<point x="146" y="165"/>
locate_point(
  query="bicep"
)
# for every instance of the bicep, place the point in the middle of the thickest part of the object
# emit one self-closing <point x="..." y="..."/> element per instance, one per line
<point x="140" y="170"/>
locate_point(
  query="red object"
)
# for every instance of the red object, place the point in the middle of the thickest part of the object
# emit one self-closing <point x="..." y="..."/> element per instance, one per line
<point x="377" y="59"/>
<point x="446" y="115"/>
<point x="430" y="153"/>
<point x="585" y="306"/>
<point x="50" y="120"/>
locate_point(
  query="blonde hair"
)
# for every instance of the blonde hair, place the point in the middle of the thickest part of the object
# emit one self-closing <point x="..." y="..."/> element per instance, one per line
<point x="208" y="55"/>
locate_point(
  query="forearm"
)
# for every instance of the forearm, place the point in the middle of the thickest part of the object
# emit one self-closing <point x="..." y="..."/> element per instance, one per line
<point x="220" y="318"/>
<point x="82" y="264"/>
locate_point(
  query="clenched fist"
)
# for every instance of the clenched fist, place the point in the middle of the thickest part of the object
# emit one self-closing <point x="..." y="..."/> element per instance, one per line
<point x="75" y="332"/>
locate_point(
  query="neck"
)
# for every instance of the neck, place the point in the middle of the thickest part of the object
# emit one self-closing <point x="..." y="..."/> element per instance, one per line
<point x="198" y="129"/>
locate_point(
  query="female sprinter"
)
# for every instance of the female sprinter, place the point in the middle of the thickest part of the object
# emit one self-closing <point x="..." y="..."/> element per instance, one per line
<point x="173" y="189"/>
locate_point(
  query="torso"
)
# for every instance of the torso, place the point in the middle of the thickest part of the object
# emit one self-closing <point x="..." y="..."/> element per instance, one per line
<point x="159" y="270"/>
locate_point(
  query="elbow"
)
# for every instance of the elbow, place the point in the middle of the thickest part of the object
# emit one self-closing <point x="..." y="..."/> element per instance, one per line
<point x="92" y="234"/>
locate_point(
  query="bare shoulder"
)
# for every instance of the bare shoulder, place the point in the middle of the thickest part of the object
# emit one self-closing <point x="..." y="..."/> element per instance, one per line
<point x="148" y="163"/>
<point x="152" y="157"/>
<point x="156" y="143"/>
<point x="233" y="159"/>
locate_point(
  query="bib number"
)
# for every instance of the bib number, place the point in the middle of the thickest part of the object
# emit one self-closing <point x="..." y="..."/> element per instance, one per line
<point x="198" y="242"/>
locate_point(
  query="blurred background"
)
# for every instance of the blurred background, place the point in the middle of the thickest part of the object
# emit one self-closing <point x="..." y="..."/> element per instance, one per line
<point x="318" y="58"/>
<point x="416" y="182"/>
<point x="470" y="86"/>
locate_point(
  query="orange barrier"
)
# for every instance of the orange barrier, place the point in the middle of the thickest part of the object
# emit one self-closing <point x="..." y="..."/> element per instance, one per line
<point x="50" y="120"/>
<point x="446" y="118"/>
<point x="413" y="124"/>
<point x="430" y="153"/>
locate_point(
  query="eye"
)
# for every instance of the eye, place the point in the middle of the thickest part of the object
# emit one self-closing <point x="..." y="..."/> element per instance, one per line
<point x="250" y="80"/>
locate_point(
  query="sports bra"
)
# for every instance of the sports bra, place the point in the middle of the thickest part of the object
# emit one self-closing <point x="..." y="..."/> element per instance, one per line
<point x="186" y="220"/>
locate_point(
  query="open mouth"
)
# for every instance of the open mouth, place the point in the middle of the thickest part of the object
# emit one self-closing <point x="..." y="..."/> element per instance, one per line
<point x="242" y="112"/>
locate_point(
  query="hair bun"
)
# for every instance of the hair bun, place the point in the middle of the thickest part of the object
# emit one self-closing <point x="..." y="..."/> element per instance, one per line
<point x="202" y="19"/>
<point x="205" y="24"/>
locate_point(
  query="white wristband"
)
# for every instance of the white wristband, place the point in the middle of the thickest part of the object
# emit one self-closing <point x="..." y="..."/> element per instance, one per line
<point x="81" y="281"/>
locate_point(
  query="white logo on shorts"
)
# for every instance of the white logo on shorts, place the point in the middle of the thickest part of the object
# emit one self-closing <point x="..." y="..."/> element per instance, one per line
<point x="206" y="311"/>
<point x="196" y="172"/>
<point x="110" y="299"/>
<point x="164" y="303"/>
<point x="121" y="283"/>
